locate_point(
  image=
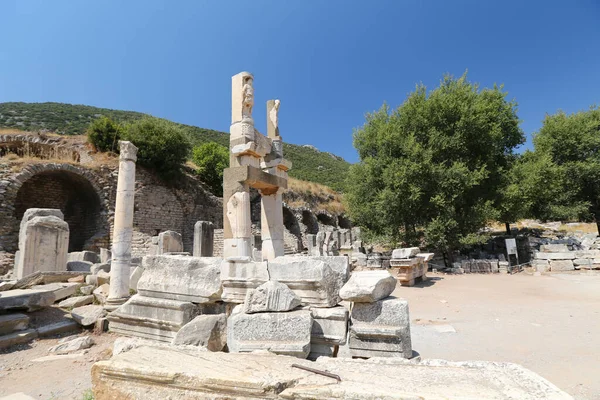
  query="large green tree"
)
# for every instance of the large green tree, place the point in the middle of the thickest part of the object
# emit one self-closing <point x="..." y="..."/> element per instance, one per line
<point x="211" y="159"/>
<point x="434" y="167"/>
<point x="564" y="169"/>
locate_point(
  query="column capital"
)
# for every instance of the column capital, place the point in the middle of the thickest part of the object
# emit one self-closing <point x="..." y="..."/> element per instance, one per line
<point x="128" y="152"/>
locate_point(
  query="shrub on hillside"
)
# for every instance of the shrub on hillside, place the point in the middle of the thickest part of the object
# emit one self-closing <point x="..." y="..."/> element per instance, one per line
<point x="162" y="145"/>
<point x="104" y="134"/>
<point x="211" y="158"/>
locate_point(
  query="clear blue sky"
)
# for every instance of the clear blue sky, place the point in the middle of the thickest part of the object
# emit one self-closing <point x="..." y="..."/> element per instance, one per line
<point x="329" y="61"/>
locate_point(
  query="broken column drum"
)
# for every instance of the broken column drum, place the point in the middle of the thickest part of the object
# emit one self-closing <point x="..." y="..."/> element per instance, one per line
<point x="256" y="161"/>
<point x="123" y="226"/>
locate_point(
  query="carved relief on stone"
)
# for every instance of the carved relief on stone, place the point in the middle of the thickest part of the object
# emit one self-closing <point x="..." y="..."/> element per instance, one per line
<point x="127" y="151"/>
<point x="238" y="214"/>
<point x="274" y="116"/>
<point x="248" y="98"/>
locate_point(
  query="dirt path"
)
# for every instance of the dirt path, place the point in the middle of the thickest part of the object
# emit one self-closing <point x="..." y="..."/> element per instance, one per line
<point x="549" y="324"/>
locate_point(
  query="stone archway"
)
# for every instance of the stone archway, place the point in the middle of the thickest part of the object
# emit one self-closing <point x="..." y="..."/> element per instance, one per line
<point x="74" y="190"/>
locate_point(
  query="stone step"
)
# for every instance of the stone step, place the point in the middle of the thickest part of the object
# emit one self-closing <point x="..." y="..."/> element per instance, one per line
<point x="58" y="327"/>
<point x="13" y="322"/>
<point x="19" y="337"/>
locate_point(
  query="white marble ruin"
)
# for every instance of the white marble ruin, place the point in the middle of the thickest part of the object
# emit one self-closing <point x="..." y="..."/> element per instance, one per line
<point x="43" y="242"/>
<point x="203" y="239"/>
<point x="123" y="227"/>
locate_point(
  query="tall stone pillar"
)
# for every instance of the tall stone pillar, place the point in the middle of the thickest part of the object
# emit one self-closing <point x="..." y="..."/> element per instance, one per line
<point x="272" y="225"/>
<point x="123" y="227"/>
<point x="203" y="239"/>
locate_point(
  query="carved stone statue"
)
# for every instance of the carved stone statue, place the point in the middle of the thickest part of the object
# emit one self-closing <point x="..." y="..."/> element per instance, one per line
<point x="274" y="116"/>
<point x="248" y="96"/>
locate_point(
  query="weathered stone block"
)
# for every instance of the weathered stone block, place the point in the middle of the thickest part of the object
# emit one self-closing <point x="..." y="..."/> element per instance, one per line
<point x="61" y="290"/>
<point x="19" y="337"/>
<point x="407" y="252"/>
<point x="561" y="265"/>
<point x="380" y="329"/>
<point x="134" y="278"/>
<point x="95" y="268"/>
<point x="203" y="239"/>
<point x="79" y="266"/>
<point x="330" y="325"/>
<point x="152" y="318"/>
<point x="368" y="286"/>
<point x="13" y="322"/>
<point x="193" y="279"/>
<point x="76" y="301"/>
<point x="281" y="333"/>
<point x="238" y="277"/>
<point x="554" y="248"/>
<point x="208" y="331"/>
<point x="316" y="280"/>
<point x="271" y="296"/>
<point x="169" y="242"/>
<point x="72" y="344"/>
<point x="43" y="244"/>
<point x="26" y="299"/>
<point x="88" y="256"/>
<point x="555" y="256"/>
<point x="87" y="315"/>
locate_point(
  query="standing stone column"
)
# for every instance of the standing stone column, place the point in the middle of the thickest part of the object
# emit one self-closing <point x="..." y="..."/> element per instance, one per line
<point x="272" y="225"/>
<point x="203" y="239"/>
<point x="123" y="227"/>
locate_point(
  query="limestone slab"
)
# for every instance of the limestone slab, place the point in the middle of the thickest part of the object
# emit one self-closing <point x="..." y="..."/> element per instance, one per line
<point x="77" y="301"/>
<point x="570" y="255"/>
<point x="13" y="322"/>
<point x="407" y="252"/>
<point x="169" y="242"/>
<point x="88" y="256"/>
<point x="25" y="299"/>
<point x="208" y="331"/>
<point x="58" y="328"/>
<point x="159" y="373"/>
<point x="61" y="290"/>
<point x="330" y="325"/>
<point x="554" y="248"/>
<point x="87" y="315"/>
<point x="95" y="268"/>
<point x="281" y="332"/>
<point x="561" y="265"/>
<point x="368" y="286"/>
<point x="203" y="239"/>
<point x="72" y="344"/>
<point x="193" y="279"/>
<point x="271" y="296"/>
<point x="18" y="337"/>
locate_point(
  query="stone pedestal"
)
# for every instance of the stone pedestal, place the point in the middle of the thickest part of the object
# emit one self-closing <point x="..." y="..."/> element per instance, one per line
<point x="409" y="270"/>
<point x="380" y="329"/>
<point x="123" y="227"/>
<point x="203" y="239"/>
<point x="170" y="242"/>
<point x="43" y="244"/>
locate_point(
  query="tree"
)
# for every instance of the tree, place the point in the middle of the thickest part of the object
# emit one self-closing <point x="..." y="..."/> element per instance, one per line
<point x="211" y="159"/>
<point x="567" y="153"/>
<point x="432" y="169"/>
<point x="104" y="134"/>
<point x="162" y="145"/>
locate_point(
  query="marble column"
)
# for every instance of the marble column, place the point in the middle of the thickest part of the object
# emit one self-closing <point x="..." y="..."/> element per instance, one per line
<point x="123" y="227"/>
<point x="272" y="225"/>
<point x="203" y="239"/>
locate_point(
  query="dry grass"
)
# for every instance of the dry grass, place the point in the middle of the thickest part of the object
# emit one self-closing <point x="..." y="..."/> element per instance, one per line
<point x="314" y="196"/>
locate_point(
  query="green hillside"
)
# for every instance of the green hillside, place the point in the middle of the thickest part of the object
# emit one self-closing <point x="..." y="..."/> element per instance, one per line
<point x="68" y="119"/>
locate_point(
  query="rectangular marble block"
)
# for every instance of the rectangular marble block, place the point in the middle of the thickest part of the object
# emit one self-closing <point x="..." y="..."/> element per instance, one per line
<point x="380" y="329"/>
<point x="286" y="333"/>
<point x="238" y="277"/>
<point x="152" y="318"/>
<point x="316" y="280"/>
<point x="330" y="325"/>
<point x="182" y="278"/>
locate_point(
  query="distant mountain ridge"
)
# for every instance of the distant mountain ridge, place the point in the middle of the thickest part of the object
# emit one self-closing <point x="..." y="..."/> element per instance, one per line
<point x="309" y="163"/>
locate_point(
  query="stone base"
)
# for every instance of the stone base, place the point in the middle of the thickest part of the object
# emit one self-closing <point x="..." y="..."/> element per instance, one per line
<point x="19" y="337"/>
<point x="380" y="329"/>
<point x="238" y="277"/>
<point x="152" y="373"/>
<point x="151" y="318"/>
<point x="286" y="333"/>
<point x="410" y="272"/>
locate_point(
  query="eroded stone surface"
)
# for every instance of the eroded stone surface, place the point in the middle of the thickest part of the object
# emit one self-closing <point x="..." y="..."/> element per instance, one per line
<point x="407" y="252"/>
<point x="72" y="344"/>
<point x="77" y="301"/>
<point x="25" y="299"/>
<point x="270" y="296"/>
<point x="368" y="286"/>
<point x="159" y="373"/>
<point x="281" y="332"/>
<point x="13" y="322"/>
<point x="87" y="315"/>
<point x="208" y="331"/>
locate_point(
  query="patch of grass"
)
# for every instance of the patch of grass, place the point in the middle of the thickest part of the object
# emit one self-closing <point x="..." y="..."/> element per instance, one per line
<point x="88" y="395"/>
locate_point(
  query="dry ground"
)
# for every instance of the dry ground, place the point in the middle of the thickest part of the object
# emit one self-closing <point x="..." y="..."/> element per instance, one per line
<point x="548" y="324"/>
